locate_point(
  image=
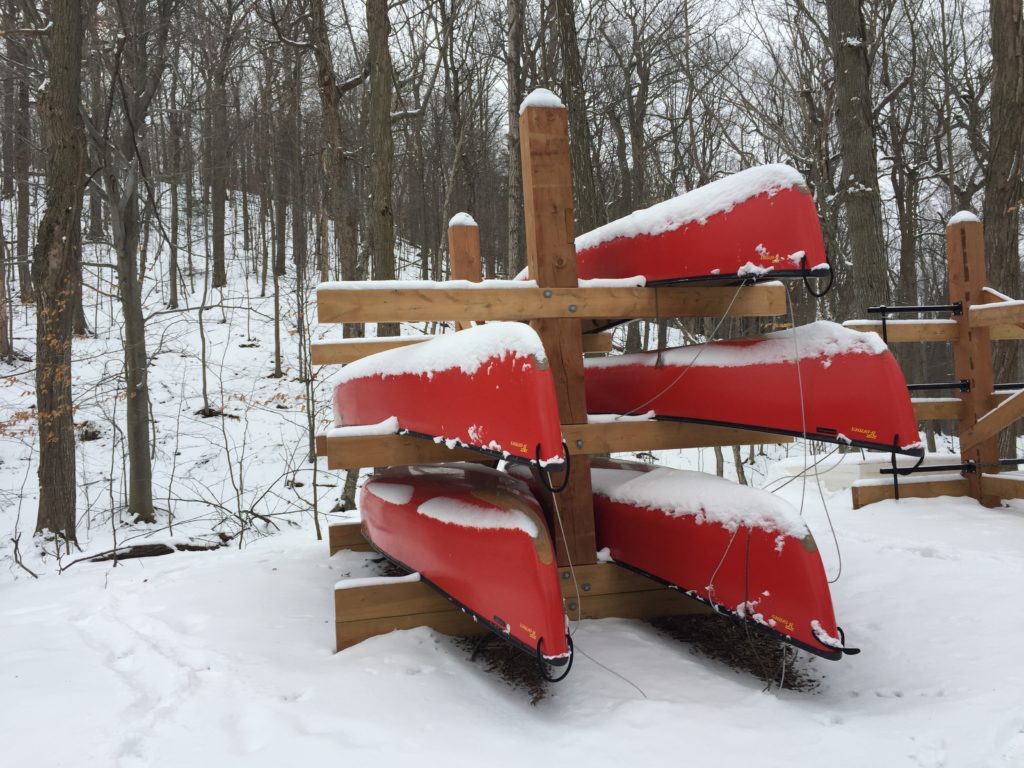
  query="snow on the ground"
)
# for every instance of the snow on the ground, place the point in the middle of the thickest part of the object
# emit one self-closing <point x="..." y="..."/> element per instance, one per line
<point x="226" y="658"/>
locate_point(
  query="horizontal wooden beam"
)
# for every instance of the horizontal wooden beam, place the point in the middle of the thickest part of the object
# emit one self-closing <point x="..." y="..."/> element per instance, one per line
<point x="345" y="351"/>
<point x="937" y="408"/>
<point x="1001" y="313"/>
<point x="388" y="451"/>
<point x="868" y="492"/>
<point x="900" y="331"/>
<point x="416" y="304"/>
<point x="908" y="330"/>
<point x="403" y="450"/>
<point x="1003" y="486"/>
<point x="347" y="536"/>
<point x="994" y="421"/>
<point x="604" y="590"/>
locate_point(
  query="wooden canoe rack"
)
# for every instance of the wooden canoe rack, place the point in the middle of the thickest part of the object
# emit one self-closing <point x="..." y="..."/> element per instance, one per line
<point x="561" y="311"/>
<point x="981" y="412"/>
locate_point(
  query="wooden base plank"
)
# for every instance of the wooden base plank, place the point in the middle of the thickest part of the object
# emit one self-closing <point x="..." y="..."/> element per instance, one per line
<point x="347" y="536"/>
<point x="1003" y="486"/>
<point x="604" y="590"/>
<point x="868" y="492"/>
<point x="448" y="622"/>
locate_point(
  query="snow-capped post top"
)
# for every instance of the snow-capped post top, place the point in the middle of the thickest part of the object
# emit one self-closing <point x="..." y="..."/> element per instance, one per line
<point x="963" y="217"/>
<point x="461" y="219"/>
<point x="541" y="97"/>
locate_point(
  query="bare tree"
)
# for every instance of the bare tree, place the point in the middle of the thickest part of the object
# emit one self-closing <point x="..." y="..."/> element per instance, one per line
<point x="55" y="267"/>
<point x="380" y="227"/>
<point x="1004" y="191"/>
<point x="859" y="187"/>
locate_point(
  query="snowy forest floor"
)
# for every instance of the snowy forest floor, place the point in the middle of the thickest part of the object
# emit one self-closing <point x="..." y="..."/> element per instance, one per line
<point x="226" y="657"/>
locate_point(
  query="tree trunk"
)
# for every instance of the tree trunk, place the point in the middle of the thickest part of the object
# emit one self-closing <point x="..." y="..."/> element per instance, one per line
<point x="57" y="258"/>
<point x="126" y="229"/>
<point x="219" y="165"/>
<point x="857" y="145"/>
<point x="22" y="161"/>
<point x="1004" y="190"/>
<point x="380" y="217"/>
<point x="589" y="213"/>
<point x="516" y="258"/>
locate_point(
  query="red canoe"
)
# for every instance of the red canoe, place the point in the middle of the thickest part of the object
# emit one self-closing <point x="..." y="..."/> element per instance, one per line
<point x="743" y="551"/>
<point x="488" y="388"/>
<point x="853" y="389"/>
<point x="761" y="222"/>
<point x="479" y="537"/>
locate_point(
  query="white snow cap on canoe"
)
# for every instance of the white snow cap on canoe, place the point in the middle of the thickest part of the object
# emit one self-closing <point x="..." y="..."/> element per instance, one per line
<point x="393" y="493"/>
<point x="961" y="217"/>
<point x="540" y="97"/>
<point x="458" y="512"/>
<point x="697" y="205"/>
<point x="822" y="341"/>
<point x="711" y="499"/>
<point x="466" y="350"/>
<point x="461" y="219"/>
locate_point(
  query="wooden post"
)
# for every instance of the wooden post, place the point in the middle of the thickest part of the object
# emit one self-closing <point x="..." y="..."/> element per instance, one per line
<point x="551" y="254"/>
<point x="464" y="252"/>
<point x="972" y="348"/>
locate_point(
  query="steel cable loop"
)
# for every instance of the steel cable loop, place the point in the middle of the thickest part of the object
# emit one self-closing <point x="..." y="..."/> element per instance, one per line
<point x="545" y="474"/>
<point x="807" y="283"/>
<point x="544" y="666"/>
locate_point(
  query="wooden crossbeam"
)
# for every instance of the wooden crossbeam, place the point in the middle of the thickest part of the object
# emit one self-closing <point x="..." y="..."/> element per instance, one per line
<point x="584" y="439"/>
<point x="994" y="421"/>
<point x="1000" y="313"/>
<point x="345" y="351"/>
<point x="411" y="304"/>
<point x="901" y="331"/>
<point x="1003" y="486"/>
<point x="604" y="590"/>
<point x="870" y="491"/>
<point x="347" y="536"/>
<point x="937" y="408"/>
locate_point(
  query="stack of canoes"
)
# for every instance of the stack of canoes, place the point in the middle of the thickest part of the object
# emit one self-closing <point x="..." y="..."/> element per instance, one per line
<point x="480" y="536"/>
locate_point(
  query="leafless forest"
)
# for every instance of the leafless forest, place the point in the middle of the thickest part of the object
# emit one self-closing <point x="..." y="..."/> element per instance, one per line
<point x="189" y="156"/>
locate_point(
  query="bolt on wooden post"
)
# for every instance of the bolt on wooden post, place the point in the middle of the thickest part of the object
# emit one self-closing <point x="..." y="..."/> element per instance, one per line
<point x="972" y="350"/>
<point x="551" y="255"/>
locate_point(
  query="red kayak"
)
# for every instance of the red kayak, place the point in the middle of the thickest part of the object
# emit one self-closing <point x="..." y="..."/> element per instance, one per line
<point x="853" y="391"/>
<point x="743" y="551"/>
<point x="488" y="388"/>
<point x="758" y="223"/>
<point x="479" y="537"/>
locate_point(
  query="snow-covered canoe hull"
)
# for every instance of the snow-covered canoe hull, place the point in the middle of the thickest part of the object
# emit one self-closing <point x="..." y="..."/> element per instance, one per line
<point x="735" y="548"/>
<point x="479" y="537"/>
<point x="487" y="388"/>
<point x="756" y="223"/>
<point x="853" y="391"/>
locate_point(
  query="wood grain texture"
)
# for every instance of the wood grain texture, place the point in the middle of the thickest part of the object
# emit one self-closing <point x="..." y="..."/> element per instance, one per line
<point x="551" y="257"/>
<point x="359" y="305"/>
<point x="972" y="350"/>
<point x="869" y="494"/>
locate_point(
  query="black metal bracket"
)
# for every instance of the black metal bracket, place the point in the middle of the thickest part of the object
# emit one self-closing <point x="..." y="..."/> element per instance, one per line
<point x="963" y="386"/>
<point x="957" y="308"/>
